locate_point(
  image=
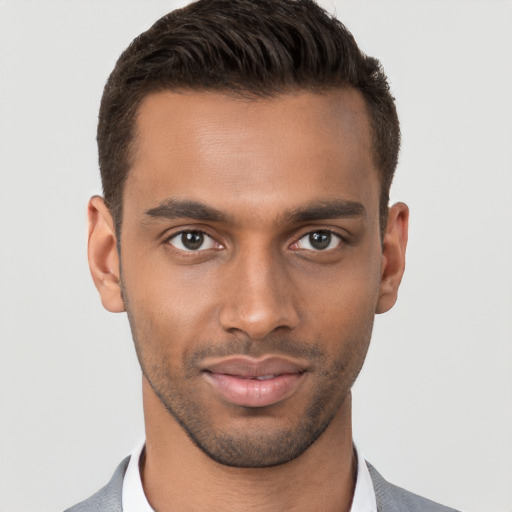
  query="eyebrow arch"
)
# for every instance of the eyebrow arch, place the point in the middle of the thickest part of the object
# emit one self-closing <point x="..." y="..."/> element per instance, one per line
<point x="324" y="210"/>
<point x="185" y="209"/>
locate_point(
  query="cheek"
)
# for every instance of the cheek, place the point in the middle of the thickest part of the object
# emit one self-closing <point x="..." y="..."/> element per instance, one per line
<point x="170" y="309"/>
<point x="344" y="325"/>
<point x="344" y="297"/>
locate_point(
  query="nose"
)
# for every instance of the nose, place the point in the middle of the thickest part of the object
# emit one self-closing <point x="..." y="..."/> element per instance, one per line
<point x="258" y="296"/>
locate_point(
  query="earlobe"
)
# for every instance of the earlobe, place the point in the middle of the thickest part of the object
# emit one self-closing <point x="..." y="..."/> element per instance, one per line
<point x="393" y="256"/>
<point x="103" y="256"/>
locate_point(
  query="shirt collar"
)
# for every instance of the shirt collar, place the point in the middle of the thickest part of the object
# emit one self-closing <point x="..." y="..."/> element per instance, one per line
<point x="134" y="499"/>
<point x="364" y="494"/>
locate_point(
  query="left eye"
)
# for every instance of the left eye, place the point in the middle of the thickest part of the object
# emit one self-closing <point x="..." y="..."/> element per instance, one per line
<point x="192" y="241"/>
<point x="319" y="241"/>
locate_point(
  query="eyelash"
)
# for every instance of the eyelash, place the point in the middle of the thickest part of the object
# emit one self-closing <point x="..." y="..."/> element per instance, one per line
<point x="331" y="233"/>
<point x="190" y="231"/>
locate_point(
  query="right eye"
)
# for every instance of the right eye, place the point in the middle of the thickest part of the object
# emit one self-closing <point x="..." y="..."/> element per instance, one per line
<point x="192" y="241"/>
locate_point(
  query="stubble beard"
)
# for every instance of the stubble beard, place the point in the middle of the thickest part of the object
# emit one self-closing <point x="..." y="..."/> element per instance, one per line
<point x="250" y="447"/>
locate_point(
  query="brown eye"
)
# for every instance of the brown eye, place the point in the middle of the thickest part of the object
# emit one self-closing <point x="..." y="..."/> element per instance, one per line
<point x="192" y="241"/>
<point x="319" y="241"/>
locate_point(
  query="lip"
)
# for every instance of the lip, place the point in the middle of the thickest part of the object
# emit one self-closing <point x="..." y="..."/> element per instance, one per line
<point x="251" y="382"/>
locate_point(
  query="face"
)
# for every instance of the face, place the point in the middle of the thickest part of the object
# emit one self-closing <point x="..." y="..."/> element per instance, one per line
<point x="252" y="265"/>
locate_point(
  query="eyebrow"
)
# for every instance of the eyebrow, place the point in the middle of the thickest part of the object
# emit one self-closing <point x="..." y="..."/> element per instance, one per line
<point x="324" y="210"/>
<point x="185" y="209"/>
<point x="319" y="210"/>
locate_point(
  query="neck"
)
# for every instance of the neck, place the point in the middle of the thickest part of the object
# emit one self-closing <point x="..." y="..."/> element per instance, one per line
<point x="177" y="475"/>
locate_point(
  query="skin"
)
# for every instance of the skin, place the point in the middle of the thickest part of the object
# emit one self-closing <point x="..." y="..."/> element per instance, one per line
<point x="274" y="171"/>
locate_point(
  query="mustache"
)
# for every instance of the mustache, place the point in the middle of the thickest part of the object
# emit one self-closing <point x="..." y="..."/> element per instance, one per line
<point x="275" y="345"/>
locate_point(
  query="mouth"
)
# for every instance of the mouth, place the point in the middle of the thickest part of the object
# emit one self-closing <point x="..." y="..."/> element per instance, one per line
<point x="251" y="382"/>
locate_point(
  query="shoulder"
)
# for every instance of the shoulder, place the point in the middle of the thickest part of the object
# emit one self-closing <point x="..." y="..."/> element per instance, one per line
<point x="108" y="498"/>
<point x="391" y="498"/>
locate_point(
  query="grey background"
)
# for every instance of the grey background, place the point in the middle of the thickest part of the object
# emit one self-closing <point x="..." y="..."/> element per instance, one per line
<point x="433" y="405"/>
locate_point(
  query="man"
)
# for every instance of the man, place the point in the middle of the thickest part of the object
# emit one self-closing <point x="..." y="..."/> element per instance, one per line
<point x="246" y="151"/>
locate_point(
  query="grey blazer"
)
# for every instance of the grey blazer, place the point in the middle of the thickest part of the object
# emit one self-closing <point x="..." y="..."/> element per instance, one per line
<point x="390" y="498"/>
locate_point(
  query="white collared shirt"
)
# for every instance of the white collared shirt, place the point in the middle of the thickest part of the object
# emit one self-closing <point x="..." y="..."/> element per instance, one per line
<point x="364" y="495"/>
<point x="134" y="499"/>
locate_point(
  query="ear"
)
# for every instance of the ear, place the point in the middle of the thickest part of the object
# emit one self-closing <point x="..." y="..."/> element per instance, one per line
<point x="393" y="256"/>
<point x="102" y="254"/>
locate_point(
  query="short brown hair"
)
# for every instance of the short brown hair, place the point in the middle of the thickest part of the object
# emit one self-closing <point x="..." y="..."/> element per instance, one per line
<point x="253" y="48"/>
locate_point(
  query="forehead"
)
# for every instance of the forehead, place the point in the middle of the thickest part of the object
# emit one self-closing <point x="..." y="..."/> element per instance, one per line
<point x="244" y="153"/>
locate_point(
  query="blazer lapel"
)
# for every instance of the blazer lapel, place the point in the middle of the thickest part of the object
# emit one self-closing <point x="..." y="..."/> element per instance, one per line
<point x="107" y="499"/>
